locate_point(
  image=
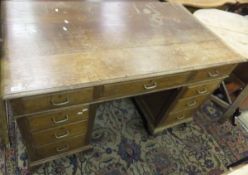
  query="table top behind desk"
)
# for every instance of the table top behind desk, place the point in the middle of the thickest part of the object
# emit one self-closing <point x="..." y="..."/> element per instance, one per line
<point x="52" y="46"/>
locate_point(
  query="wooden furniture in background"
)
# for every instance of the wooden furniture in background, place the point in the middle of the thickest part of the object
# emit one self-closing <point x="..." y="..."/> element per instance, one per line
<point x="203" y="3"/>
<point x="233" y="30"/>
<point x="240" y="170"/>
<point x="207" y="3"/>
<point x="63" y="58"/>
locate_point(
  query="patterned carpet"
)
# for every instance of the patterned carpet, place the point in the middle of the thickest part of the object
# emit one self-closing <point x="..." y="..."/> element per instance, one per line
<point x="123" y="147"/>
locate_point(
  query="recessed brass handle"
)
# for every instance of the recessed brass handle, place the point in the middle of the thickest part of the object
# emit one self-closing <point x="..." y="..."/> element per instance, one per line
<point x="151" y="85"/>
<point x="60" y="103"/>
<point x="62" y="148"/>
<point x="215" y="73"/>
<point x="191" y="103"/>
<point x="203" y="90"/>
<point x="180" y="117"/>
<point x="63" y="135"/>
<point x="60" y="121"/>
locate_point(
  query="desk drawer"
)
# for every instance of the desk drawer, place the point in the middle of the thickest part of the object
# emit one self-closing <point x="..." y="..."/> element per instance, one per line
<point x="201" y="89"/>
<point x="189" y="103"/>
<point x="59" y="133"/>
<point x="60" y="147"/>
<point x="39" y="103"/>
<point x="146" y="85"/>
<point x="53" y="119"/>
<point x="177" y="117"/>
<point x="213" y="73"/>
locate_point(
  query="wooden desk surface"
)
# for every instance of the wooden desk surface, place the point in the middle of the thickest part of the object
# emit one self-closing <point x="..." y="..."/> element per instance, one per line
<point x="51" y="46"/>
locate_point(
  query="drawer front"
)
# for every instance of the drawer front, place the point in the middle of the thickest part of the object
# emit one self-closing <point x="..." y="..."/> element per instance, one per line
<point x="61" y="147"/>
<point x="190" y="103"/>
<point x="213" y="73"/>
<point x="53" y="119"/>
<point x="146" y="85"/>
<point x="201" y="89"/>
<point x="177" y="117"/>
<point x="59" y="133"/>
<point x="34" y="104"/>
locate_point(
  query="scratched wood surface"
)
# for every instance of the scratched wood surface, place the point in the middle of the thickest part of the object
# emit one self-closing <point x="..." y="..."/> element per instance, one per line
<point x="51" y="46"/>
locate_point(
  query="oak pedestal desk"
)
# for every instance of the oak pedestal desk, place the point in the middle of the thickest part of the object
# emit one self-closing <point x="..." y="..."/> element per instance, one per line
<point x="63" y="58"/>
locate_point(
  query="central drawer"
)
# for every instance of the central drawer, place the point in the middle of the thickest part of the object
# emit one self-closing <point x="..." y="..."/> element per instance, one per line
<point x="145" y="86"/>
<point x="59" y="133"/>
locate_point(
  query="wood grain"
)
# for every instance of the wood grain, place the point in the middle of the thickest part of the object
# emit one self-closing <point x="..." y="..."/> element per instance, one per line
<point x="60" y="147"/>
<point x="53" y="46"/>
<point x="201" y="88"/>
<point x="38" y="103"/>
<point x="177" y="117"/>
<point x="52" y="119"/>
<point x="51" y="135"/>
<point x="188" y="103"/>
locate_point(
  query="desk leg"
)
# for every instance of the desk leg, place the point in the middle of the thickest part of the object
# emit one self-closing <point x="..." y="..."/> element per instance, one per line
<point x="3" y="125"/>
<point x="92" y="114"/>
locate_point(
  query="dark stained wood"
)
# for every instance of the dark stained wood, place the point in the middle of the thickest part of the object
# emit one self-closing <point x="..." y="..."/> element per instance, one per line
<point x="3" y="120"/>
<point x="155" y="105"/>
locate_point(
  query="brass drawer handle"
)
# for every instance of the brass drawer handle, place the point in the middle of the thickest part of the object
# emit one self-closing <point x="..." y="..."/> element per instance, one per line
<point x="62" y="136"/>
<point x="60" y="121"/>
<point x="83" y="111"/>
<point x="61" y="103"/>
<point x="181" y="117"/>
<point x="62" y="148"/>
<point x="202" y="90"/>
<point x="191" y="103"/>
<point x="215" y="73"/>
<point x="153" y="85"/>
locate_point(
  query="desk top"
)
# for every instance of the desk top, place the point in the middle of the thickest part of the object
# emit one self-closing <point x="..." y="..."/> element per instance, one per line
<point x="52" y="46"/>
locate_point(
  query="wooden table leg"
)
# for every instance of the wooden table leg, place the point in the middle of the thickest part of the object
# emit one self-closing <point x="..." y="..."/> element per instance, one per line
<point x="3" y="125"/>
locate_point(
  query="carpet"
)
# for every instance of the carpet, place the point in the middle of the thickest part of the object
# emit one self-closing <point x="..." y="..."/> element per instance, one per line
<point x="122" y="146"/>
